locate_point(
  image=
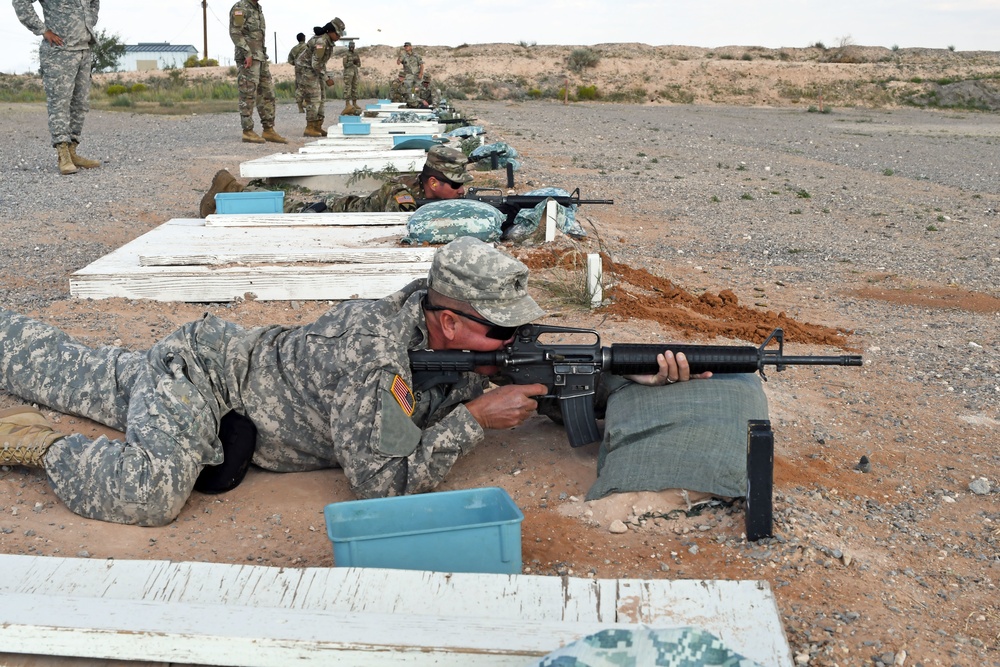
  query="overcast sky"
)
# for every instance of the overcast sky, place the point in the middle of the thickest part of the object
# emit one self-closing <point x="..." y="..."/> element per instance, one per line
<point x="966" y="25"/>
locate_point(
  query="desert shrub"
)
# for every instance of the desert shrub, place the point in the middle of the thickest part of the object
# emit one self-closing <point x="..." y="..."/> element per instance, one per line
<point x="138" y="88"/>
<point x="535" y="93"/>
<point x="581" y="59"/>
<point x="121" y="101"/>
<point x="116" y="89"/>
<point x="674" y="93"/>
<point x="637" y="94"/>
<point x="587" y="93"/>
<point x="233" y="71"/>
<point x="192" y="61"/>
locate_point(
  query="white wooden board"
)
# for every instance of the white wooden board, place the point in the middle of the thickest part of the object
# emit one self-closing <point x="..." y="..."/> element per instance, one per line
<point x="187" y="260"/>
<point x="378" y="127"/>
<point x="251" y="615"/>
<point x="284" y="165"/>
<point x="308" y="220"/>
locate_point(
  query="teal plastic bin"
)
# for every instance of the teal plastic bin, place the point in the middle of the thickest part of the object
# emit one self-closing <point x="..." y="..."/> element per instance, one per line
<point x="250" y="202"/>
<point x="356" y="128"/>
<point x="350" y="119"/>
<point x="473" y="530"/>
<point x="397" y="139"/>
<point x="381" y="101"/>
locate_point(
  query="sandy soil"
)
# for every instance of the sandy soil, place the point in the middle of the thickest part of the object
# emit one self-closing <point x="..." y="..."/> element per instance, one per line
<point x="894" y="566"/>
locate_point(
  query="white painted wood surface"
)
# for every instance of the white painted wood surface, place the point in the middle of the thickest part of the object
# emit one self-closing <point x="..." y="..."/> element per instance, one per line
<point x="283" y="165"/>
<point x="218" y="614"/>
<point x="308" y="220"/>
<point x="186" y="260"/>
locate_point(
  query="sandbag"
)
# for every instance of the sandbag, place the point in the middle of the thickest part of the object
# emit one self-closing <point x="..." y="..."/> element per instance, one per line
<point x="527" y="220"/>
<point x="503" y="153"/>
<point x="689" y="435"/>
<point x="446" y="220"/>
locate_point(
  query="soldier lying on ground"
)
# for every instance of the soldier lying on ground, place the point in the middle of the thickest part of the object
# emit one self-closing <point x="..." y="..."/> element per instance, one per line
<point x="333" y="393"/>
<point x="443" y="176"/>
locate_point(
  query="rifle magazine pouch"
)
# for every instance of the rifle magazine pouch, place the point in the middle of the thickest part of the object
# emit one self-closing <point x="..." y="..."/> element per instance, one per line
<point x="446" y="220"/>
<point x="239" y="440"/>
<point x="689" y="435"/>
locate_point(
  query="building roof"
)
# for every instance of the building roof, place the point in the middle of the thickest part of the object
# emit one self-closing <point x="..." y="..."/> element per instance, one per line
<point x="159" y="47"/>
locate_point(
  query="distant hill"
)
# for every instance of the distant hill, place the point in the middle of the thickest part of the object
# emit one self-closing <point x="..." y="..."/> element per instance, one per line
<point x="733" y="75"/>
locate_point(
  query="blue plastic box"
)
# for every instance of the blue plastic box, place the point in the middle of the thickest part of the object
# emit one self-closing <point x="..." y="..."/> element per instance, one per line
<point x="357" y="128"/>
<point x="350" y="119"/>
<point x="373" y="107"/>
<point x="250" y="202"/>
<point x="473" y="530"/>
<point x="381" y="101"/>
<point x="397" y="139"/>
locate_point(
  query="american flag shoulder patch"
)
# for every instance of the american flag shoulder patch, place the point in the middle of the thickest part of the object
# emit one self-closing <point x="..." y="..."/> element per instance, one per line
<point x="401" y="392"/>
<point x="405" y="199"/>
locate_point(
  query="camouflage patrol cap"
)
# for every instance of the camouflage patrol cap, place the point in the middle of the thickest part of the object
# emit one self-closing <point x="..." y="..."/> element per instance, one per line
<point x="405" y="44"/>
<point x="489" y="280"/>
<point x="450" y="162"/>
<point x="337" y="26"/>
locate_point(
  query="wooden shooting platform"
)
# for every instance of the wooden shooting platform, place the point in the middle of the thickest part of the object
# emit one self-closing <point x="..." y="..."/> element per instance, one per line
<point x="254" y="616"/>
<point x="333" y="172"/>
<point x="304" y="256"/>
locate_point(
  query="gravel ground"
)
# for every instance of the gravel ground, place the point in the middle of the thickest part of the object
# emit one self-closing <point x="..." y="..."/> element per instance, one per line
<point x="882" y="223"/>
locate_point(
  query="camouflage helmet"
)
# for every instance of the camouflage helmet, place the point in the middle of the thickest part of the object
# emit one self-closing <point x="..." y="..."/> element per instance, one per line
<point x="451" y="162"/>
<point x="489" y="280"/>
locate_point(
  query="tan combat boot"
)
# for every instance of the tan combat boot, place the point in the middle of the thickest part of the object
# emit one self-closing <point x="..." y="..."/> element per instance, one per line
<point x="223" y="181"/>
<point x="66" y="165"/>
<point x="319" y="125"/>
<point x="25" y="436"/>
<point x="312" y="129"/>
<point x="270" y="135"/>
<point x="347" y="109"/>
<point x="81" y="161"/>
<point x="251" y="137"/>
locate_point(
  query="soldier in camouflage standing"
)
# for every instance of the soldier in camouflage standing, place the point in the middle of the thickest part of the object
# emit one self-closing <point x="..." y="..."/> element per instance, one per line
<point x="311" y="67"/>
<point x="292" y="55"/>
<point x="443" y="176"/>
<point x="65" y="59"/>
<point x="352" y="78"/>
<point x="247" y="30"/>
<point x="413" y="68"/>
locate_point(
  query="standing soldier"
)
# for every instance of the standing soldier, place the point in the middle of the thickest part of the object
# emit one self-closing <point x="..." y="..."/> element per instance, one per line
<point x="311" y="66"/>
<point x="292" y="55"/>
<point x="246" y="28"/>
<point x="352" y="77"/>
<point x="64" y="57"/>
<point x="413" y="68"/>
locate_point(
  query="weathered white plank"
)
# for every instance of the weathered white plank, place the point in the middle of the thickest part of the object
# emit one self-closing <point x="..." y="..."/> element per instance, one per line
<point x="308" y="220"/>
<point x="442" y="615"/>
<point x="201" y="284"/>
<point x="157" y="265"/>
<point x="283" y="165"/>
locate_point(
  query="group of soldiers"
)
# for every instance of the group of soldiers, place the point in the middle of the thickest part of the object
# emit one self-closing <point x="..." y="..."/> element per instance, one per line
<point x="310" y="58"/>
<point x="412" y="85"/>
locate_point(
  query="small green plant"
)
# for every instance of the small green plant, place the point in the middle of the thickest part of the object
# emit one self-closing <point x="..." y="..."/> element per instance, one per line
<point x="803" y="194"/>
<point x="715" y="199"/>
<point x="587" y="93"/>
<point x="951" y="47"/>
<point x="796" y="211"/>
<point x="581" y="59"/>
<point x="138" y="88"/>
<point x="888" y="172"/>
<point x="931" y="228"/>
<point x="116" y="89"/>
<point x="895" y="48"/>
<point x="741" y="167"/>
<point x="121" y="101"/>
<point x="746" y="195"/>
<point x="941" y="218"/>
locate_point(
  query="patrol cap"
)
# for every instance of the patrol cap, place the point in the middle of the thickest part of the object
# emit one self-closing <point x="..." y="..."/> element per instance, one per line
<point x="450" y="162"/>
<point x="407" y="44"/>
<point x="337" y="26"/>
<point x="491" y="281"/>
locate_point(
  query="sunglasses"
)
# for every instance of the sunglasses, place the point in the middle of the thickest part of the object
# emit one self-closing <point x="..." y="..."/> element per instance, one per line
<point x="495" y="331"/>
<point x="451" y="184"/>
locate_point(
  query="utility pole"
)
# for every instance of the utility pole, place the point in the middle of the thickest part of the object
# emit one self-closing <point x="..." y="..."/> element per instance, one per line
<point x="204" y="23"/>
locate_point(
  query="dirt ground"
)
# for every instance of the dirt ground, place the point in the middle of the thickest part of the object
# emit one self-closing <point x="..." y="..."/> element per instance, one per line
<point x="893" y="566"/>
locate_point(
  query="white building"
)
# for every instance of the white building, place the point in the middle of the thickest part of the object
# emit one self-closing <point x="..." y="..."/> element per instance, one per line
<point x="155" y="55"/>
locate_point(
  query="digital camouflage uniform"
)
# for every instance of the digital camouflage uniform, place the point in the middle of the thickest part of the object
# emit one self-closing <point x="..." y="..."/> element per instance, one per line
<point x="65" y="69"/>
<point x="248" y="32"/>
<point x="292" y="55"/>
<point x="334" y="393"/>
<point x="352" y="74"/>
<point x="412" y="64"/>
<point x="311" y="67"/>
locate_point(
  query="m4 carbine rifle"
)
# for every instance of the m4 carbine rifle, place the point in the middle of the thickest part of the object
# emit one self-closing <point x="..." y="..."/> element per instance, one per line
<point x="571" y="371"/>
<point x="509" y="205"/>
